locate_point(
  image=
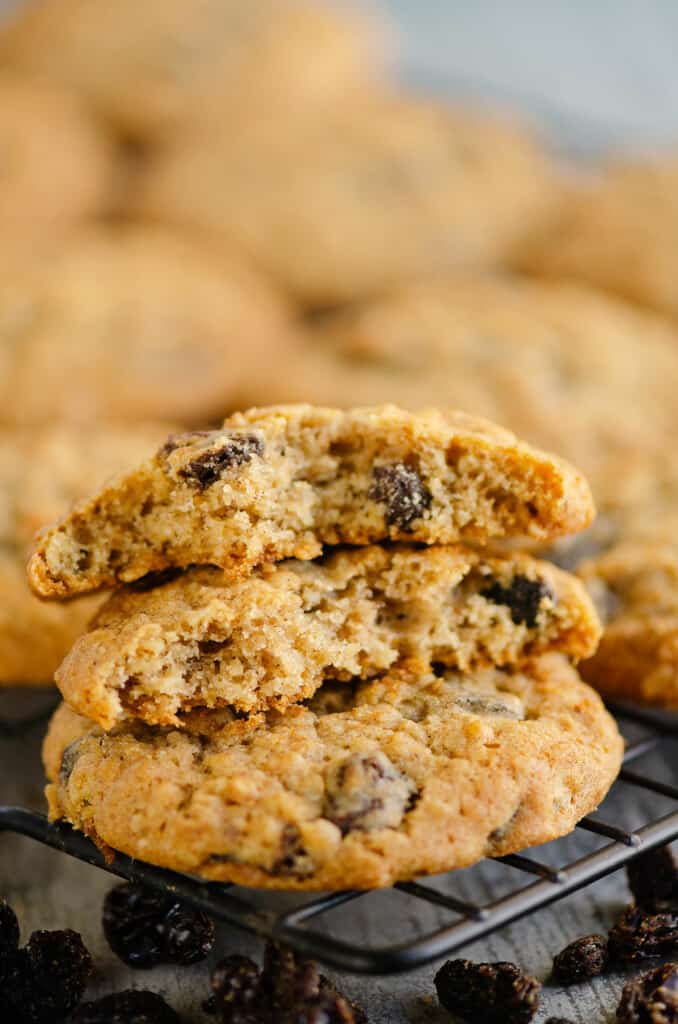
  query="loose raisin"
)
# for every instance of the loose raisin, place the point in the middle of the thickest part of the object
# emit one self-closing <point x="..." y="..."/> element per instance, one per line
<point x="235" y="989"/>
<point x="522" y="597"/>
<point x="492" y="993"/>
<point x="288" y="990"/>
<point x="47" y="978"/>
<point x="9" y="929"/>
<point x="402" y="491"/>
<point x="653" y="879"/>
<point x="584" y="958"/>
<point x="133" y="1006"/>
<point x="145" y="927"/>
<point x="652" y="998"/>
<point x="638" y="935"/>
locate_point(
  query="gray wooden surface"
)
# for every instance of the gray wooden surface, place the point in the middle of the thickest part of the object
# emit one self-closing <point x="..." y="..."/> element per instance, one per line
<point x="594" y="76"/>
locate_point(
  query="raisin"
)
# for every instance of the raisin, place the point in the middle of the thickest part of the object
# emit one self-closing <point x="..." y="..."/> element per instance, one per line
<point x="154" y="579"/>
<point x="653" y="879"/>
<point x="492" y="993"/>
<point x="9" y="929"/>
<point x="287" y="990"/>
<point x="205" y="469"/>
<point x="235" y="989"/>
<point x="367" y="792"/>
<point x="47" y="978"/>
<point x="651" y="998"/>
<point x="9" y="943"/>
<point x="134" y="1006"/>
<point x="402" y="490"/>
<point x="584" y="958"/>
<point x="68" y="760"/>
<point x="522" y="597"/>
<point x="189" y="935"/>
<point x="639" y="934"/>
<point x="145" y="927"/>
<point x="293" y="858"/>
<point x="558" y="1020"/>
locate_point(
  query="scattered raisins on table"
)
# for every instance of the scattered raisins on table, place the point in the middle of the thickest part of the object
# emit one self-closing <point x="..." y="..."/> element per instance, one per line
<point x="46" y="979"/>
<point x="287" y="990"/>
<point x="133" y="1006"/>
<point x="145" y="927"/>
<point x="651" y="998"/>
<point x="492" y="993"/>
<point x="638" y="934"/>
<point x="653" y="879"/>
<point x="584" y="958"/>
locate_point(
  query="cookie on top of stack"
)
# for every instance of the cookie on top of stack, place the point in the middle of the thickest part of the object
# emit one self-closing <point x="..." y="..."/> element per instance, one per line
<point x="313" y="673"/>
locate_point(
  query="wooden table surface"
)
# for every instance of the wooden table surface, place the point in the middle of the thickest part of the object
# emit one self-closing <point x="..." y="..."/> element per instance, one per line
<point x="595" y="76"/>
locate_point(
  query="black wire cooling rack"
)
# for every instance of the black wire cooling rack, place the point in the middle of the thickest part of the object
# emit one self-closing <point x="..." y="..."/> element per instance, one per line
<point x="468" y="921"/>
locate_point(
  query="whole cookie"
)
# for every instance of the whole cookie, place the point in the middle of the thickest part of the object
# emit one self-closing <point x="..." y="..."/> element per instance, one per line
<point x="155" y="67"/>
<point x="56" y="167"/>
<point x="41" y="474"/>
<point x="619" y="232"/>
<point x="406" y="775"/>
<point x="373" y="194"/>
<point x="283" y="481"/>
<point x="573" y="371"/>
<point x="130" y="324"/>
<point x="164" y="646"/>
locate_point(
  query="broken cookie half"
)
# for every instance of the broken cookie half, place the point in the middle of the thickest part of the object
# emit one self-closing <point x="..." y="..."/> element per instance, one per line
<point x="181" y="640"/>
<point x="282" y="482"/>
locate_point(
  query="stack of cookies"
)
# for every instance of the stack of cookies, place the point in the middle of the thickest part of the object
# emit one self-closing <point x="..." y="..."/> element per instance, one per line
<point x="314" y="671"/>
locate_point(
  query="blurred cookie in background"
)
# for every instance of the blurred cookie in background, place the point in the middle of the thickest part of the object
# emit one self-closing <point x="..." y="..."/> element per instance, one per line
<point x="572" y="370"/>
<point x="373" y="193"/>
<point x="134" y="323"/>
<point x="55" y="170"/>
<point x="619" y="232"/>
<point x="635" y="588"/>
<point x="42" y="473"/>
<point x="154" y="67"/>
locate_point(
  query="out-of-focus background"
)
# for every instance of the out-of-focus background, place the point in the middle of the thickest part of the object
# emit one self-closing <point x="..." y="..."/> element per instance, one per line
<point x="206" y="204"/>
<point x="597" y="76"/>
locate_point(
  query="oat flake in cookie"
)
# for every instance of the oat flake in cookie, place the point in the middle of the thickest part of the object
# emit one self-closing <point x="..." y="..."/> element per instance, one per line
<point x="170" y="643"/>
<point x="411" y="773"/>
<point x="282" y="482"/>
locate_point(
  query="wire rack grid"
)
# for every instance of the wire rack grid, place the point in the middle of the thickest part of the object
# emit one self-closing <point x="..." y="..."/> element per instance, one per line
<point x="538" y="883"/>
